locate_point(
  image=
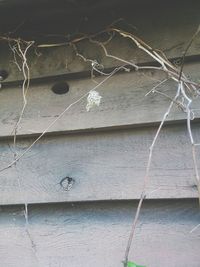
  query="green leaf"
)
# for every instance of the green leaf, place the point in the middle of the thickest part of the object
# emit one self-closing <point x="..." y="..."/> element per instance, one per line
<point x="132" y="264"/>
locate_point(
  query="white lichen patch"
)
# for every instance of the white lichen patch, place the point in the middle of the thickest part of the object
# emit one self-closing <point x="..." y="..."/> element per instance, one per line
<point x="93" y="99"/>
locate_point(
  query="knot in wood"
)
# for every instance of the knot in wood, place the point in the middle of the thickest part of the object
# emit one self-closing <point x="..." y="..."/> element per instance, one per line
<point x="66" y="183"/>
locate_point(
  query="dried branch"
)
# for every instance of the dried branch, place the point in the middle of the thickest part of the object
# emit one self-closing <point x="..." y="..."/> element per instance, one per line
<point x="25" y="85"/>
<point x="195" y="228"/>
<point x="146" y="178"/>
<point x="189" y="112"/>
<point x="58" y="118"/>
<point x="186" y="50"/>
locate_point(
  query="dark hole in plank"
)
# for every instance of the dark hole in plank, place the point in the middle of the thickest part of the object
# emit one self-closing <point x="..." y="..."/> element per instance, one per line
<point x="60" y="88"/>
<point x="3" y="75"/>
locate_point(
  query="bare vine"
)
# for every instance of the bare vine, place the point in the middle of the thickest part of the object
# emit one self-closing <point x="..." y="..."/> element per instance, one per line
<point x="20" y="49"/>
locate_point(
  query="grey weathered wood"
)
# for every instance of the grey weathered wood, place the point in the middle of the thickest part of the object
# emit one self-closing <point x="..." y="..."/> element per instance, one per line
<point x="104" y="166"/>
<point x="123" y="104"/>
<point x="96" y="234"/>
<point x="171" y="38"/>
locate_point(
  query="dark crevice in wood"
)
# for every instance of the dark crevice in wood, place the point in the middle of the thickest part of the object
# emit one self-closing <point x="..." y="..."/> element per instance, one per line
<point x="108" y="203"/>
<point x="101" y="129"/>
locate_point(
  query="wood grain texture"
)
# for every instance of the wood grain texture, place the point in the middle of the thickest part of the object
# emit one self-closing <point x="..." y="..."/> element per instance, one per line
<point x="103" y="166"/>
<point x="170" y="36"/>
<point x="123" y="104"/>
<point x="96" y="234"/>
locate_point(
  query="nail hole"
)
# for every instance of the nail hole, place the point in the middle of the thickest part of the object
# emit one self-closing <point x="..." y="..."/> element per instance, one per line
<point x="67" y="183"/>
<point x="60" y="88"/>
<point x="3" y="75"/>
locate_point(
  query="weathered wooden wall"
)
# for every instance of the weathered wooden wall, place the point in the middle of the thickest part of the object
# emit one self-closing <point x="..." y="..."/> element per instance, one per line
<point x="83" y="179"/>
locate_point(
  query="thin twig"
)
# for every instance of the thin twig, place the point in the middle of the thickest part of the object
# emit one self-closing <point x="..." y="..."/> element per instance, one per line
<point x="189" y="112"/>
<point x="58" y="118"/>
<point x="195" y="228"/>
<point x="186" y="50"/>
<point x="146" y="178"/>
<point x="25" y="85"/>
<point x="156" y="86"/>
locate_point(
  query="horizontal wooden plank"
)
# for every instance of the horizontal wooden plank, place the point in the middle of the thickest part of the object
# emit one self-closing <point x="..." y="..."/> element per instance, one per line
<point x="96" y="235"/>
<point x="171" y="37"/>
<point x="123" y="104"/>
<point x="99" y="166"/>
